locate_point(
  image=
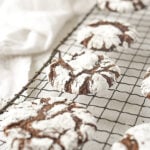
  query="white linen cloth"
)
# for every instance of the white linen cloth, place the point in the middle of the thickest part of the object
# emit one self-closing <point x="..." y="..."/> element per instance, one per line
<point x="27" y="29"/>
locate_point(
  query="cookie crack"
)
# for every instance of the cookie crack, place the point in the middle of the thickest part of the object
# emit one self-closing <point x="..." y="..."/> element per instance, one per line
<point x="108" y="79"/>
<point x="138" y="4"/>
<point x="118" y="25"/>
<point x="125" y="38"/>
<point x="79" y="122"/>
<point x="52" y="74"/>
<point x="26" y="124"/>
<point x="109" y="8"/>
<point x="130" y="143"/>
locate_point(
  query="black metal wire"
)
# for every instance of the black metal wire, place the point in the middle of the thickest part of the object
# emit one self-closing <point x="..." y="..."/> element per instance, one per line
<point x="117" y="109"/>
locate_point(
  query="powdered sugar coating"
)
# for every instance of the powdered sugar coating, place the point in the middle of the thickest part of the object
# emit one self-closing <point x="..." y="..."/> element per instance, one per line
<point x="25" y="111"/>
<point x="145" y="87"/>
<point x="139" y="139"/>
<point x="53" y="124"/>
<point x="83" y="73"/>
<point x="123" y="5"/>
<point x="106" y="35"/>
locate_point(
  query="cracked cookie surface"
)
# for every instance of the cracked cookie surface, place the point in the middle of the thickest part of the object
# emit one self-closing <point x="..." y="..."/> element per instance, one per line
<point x="85" y="72"/>
<point x="123" y="5"/>
<point x="135" y="138"/>
<point x="106" y="35"/>
<point x="50" y="124"/>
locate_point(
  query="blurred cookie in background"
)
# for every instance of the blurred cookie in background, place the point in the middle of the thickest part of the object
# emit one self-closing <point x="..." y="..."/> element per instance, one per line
<point x="106" y="35"/>
<point x="145" y="87"/>
<point x="123" y="5"/>
<point x="136" y="138"/>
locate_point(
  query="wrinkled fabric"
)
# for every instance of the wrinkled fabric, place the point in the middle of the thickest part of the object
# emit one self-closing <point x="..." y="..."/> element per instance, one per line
<point x="27" y="29"/>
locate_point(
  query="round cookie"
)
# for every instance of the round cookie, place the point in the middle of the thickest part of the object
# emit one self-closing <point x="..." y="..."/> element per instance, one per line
<point x="106" y="35"/>
<point x="50" y="124"/>
<point x="85" y="72"/>
<point x="145" y="87"/>
<point x="123" y="5"/>
<point x="136" y="138"/>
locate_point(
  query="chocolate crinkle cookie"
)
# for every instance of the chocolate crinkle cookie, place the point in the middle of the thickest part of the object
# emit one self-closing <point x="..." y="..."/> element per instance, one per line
<point x="85" y="72"/>
<point x="123" y="5"/>
<point x="145" y="87"/>
<point x="107" y="35"/>
<point x="48" y="124"/>
<point x="136" y="138"/>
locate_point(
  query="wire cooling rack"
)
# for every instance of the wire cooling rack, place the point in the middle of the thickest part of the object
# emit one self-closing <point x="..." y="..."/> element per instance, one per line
<point x="117" y="109"/>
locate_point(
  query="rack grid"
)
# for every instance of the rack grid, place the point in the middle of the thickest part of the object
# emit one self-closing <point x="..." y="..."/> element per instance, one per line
<point x="117" y="109"/>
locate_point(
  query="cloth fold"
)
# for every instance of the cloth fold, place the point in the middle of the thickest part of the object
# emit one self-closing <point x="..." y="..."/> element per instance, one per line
<point x="29" y="27"/>
<point x="14" y="74"/>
